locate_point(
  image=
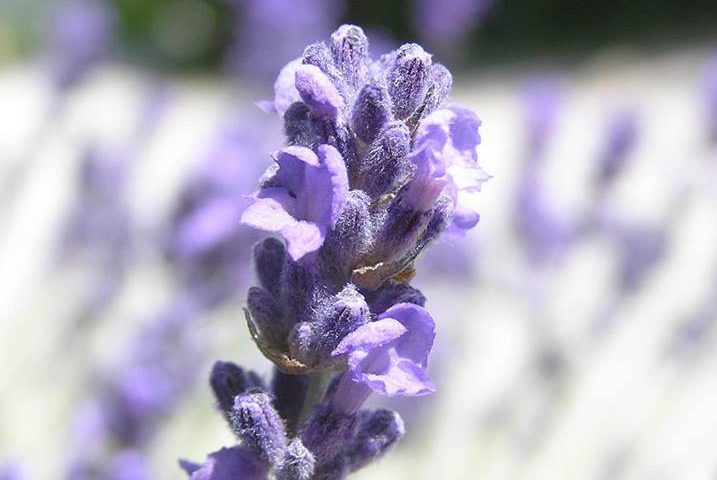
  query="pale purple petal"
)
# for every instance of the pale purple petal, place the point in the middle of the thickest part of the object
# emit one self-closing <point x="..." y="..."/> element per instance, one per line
<point x="446" y="159"/>
<point x="285" y="92"/>
<point x="403" y="378"/>
<point x="318" y="92"/>
<point x="389" y="355"/>
<point x="302" y="197"/>
<point x="330" y="185"/>
<point x="421" y="331"/>
<point x="302" y="238"/>
<point x="269" y="213"/>
<point x="369" y="336"/>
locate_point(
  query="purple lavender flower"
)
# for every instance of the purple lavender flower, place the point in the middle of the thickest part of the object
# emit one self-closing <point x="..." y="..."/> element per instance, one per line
<point x="99" y="228"/>
<point x="80" y="37"/>
<point x="621" y="137"/>
<point x="206" y="243"/>
<point x="640" y="249"/>
<point x="11" y="470"/>
<point x="388" y="356"/>
<point x="445" y="156"/>
<point x="445" y="24"/>
<point x="544" y="229"/>
<point x="709" y="83"/>
<point x="115" y="427"/>
<point x="542" y="99"/>
<point x="302" y="199"/>
<point x="377" y="168"/>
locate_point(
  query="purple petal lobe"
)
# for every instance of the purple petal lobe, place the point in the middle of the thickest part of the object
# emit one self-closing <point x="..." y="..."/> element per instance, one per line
<point x="318" y="92"/>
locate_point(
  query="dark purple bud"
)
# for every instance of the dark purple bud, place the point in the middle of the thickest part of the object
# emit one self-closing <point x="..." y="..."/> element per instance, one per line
<point x="441" y="84"/>
<point x="269" y="258"/>
<point x="347" y="312"/>
<point x="350" y="237"/>
<point x="377" y="432"/>
<point x="371" y="112"/>
<point x="386" y="165"/>
<point x="297" y="286"/>
<point x="327" y="432"/>
<point x="403" y="228"/>
<point x="441" y="219"/>
<point x="259" y="427"/>
<point x="622" y="133"/>
<point x="298" y="126"/>
<point x="266" y="316"/>
<point x="409" y="79"/>
<point x="392" y="293"/>
<point x="227" y="381"/>
<point x="289" y="393"/>
<point x="336" y="469"/>
<point x="318" y="92"/>
<point x="313" y="342"/>
<point x="298" y="464"/>
<point x="349" y="47"/>
<point x="319" y="55"/>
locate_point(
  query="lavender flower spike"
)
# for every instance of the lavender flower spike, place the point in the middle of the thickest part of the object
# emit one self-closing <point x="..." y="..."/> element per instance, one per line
<point x="376" y="169"/>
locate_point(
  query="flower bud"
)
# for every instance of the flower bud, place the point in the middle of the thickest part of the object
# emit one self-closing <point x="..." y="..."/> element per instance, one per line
<point x="371" y="111"/>
<point x="349" y="47"/>
<point x="392" y="293"/>
<point x="298" y="463"/>
<point x="269" y="258"/>
<point x="266" y="316"/>
<point x="386" y="165"/>
<point x="409" y="79"/>
<point x="313" y="342"/>
<point x="318" y="93"/>
<point x="350" y="237"/>
<point x="326" y="432"/>
<point x="259" y="427"/>
<point x="377" y="432"/>
<point x="227" y="381"/>
<point x="441" y="83"/>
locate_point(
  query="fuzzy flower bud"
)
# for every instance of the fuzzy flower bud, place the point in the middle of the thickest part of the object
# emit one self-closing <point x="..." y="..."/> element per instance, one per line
<point x="408" y="80"/>
<point x="377" y="432"/>
<point x="259" y="427"/>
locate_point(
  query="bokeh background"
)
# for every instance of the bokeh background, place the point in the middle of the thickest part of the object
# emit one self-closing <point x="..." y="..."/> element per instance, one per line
<point x="576" y="322"/>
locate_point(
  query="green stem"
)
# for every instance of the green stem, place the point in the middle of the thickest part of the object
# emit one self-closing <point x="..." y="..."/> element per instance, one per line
<point x="318" y="383"/>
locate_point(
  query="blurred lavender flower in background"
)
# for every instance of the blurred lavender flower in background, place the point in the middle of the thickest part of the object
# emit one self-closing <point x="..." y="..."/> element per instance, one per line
<point x="544" y="230"/>
<point x="709" y="86"/>
<point x="376" y="169"/>
<point x="444" y="25"/>
<point x="80" y="36"/>
<point x="640" y="248"/>
<point x="257" y="51"/>
<point x="99" y="229"/>
<point x="621" y="136"/>
<point x="116" y="427"/>
<point x="10" y="470"/>
<point x="207" y="247"/>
